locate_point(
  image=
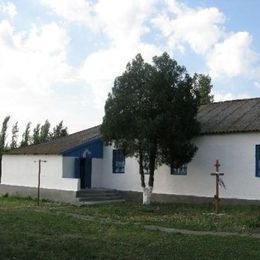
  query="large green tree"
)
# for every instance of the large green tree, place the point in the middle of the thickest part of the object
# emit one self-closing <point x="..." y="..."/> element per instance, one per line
<point x="124" y="110"/>
<point x="151" y="113"/>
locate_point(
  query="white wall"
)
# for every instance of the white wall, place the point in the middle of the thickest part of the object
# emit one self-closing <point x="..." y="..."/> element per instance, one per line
<point x="96" y="176"/>
<point x="236" y="153"/>
<point x="22" y="170"/>
<point x="68" y="165"/>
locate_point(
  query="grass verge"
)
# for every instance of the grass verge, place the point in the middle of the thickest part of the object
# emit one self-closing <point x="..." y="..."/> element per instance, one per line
<point x="53" y="232"/>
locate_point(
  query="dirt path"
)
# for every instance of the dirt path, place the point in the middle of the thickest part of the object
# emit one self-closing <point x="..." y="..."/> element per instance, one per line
<point x="199" y="233"/>
<point x="152" y="227"/>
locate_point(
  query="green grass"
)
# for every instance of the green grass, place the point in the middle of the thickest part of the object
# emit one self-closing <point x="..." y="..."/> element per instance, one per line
<point x="195" y="217"/>
<point x="115" y="231"/>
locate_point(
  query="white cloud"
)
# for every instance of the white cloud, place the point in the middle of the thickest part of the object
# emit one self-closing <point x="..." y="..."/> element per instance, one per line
<point x="197" y="28"/>
<point x="257" y="84"/>
<point x="73" y="11"/>
<point x="227" y="54"/>
<point x="201" y="29"/>
<point x="9" y="8"/>
<point x="33" y="60"/>
<point x="223" y="96"/>
<point x="123" y="21"/>
<point x="102" y="67"/>
<point x="31" y="64"/>
<point x="232" y="57"/>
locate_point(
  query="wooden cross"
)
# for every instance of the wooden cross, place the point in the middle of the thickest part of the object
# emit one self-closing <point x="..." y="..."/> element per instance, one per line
<point x="217" y="174"/>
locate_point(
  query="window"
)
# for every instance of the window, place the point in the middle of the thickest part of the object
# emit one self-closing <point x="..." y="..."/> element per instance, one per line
<point x="118" y="161"/>
<point x="179" y="171"/>
<point x="257" y="160"/>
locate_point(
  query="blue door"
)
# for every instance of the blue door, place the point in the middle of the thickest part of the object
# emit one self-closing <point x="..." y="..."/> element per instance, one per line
<point x="88" y="170"/>
<point x="83" y="168"/>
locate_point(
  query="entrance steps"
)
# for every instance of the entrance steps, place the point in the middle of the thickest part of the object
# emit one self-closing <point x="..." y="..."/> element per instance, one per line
<point x="97" y="196"/>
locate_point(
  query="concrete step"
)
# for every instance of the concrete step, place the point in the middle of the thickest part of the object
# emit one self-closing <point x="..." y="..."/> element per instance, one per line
<point x="88" y="194"/>
<point x="95" y="191"/>
<point x="98" y="198"/>
<point x="94" y="202"/>
<point x="98" y="195"/>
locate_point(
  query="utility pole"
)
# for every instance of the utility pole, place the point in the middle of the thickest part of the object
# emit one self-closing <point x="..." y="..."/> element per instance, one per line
<point x="39" y="179"/>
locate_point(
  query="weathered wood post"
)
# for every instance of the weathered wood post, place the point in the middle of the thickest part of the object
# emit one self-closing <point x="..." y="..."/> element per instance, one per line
<point x="217" y="174"/>
<point x="39" y="180"/>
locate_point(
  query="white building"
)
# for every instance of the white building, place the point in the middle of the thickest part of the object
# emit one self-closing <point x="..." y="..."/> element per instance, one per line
<point x="230" y="133"/>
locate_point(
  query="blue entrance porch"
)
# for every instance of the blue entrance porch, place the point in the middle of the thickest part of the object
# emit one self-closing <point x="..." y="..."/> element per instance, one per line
<point x="83" y="155"/>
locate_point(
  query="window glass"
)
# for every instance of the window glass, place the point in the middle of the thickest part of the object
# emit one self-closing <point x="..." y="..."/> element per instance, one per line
<point x="179" y="171"/>
<point x="118" y="161"/>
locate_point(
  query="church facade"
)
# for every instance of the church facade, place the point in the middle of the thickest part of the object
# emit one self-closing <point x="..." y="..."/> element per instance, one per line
<point x="230" y="133"/>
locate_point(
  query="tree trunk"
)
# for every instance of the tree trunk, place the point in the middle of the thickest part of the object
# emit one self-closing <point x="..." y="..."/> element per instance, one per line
<point x="147" y="193"/>
<point x="152" y="167"/>
<point x="141" y="169"/>
<point x="0" y="168"/>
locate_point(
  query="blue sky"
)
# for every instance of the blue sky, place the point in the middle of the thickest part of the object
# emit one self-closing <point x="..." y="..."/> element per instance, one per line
<point x="58" y="58"/>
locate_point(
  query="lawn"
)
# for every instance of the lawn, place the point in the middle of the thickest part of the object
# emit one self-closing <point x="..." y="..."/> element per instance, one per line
<point x="116" y="231"/>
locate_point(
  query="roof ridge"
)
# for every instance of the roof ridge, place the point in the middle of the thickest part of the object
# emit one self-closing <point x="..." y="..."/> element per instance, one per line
<point x="87" y="129"/>
<point x="67" y="138"/>
<point x="234" y="100"/>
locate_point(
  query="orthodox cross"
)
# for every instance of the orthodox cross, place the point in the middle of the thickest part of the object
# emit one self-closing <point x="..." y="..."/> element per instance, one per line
<point x="39" y="179"/>
<point x="217" y="174"/>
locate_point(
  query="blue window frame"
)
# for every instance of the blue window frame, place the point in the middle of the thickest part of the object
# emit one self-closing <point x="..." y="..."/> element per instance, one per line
<point x="118" y="162"/>
<point x="257" y="160"/>
<point x="179" y="171"/>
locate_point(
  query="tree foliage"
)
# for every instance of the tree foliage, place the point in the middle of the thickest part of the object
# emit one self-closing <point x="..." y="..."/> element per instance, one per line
<point x="41" y="133"/>
<point x="203" y="84"/>
<point x="14" y="142"/>
<point x="3" y="134"/>
<point x="36" y="138"/>
<point x="151" y="114"/>
<point x="26" y="138"/>
<point x="59" y="131"/>
<point x="45" y="132"/>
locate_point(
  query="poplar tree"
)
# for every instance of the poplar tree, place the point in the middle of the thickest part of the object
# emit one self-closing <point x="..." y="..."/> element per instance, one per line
<point x="3" y="145"/>
<point x="26" y="138"/>
<point x="3" y="134"/>
<point x="15" y="131"/>
<point x="59" y="131"/>
<point x="36" y="134"/>
<point x="45" y="132"/>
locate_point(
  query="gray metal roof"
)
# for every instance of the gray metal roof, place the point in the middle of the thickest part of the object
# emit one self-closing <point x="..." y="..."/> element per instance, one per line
<point x="236" y="116"/>
<point x="60" y="145"/>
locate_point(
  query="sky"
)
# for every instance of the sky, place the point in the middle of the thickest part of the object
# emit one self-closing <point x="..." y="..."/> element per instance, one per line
<point x="59" y="58"/>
